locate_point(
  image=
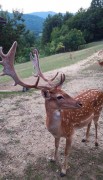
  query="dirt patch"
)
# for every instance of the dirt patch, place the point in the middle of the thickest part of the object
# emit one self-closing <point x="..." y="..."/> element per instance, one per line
<point x="25" y="143"/>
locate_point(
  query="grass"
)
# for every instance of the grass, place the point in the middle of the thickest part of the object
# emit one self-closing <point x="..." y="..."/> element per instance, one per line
<point x="55" y="61"/>
<point x="9" y="94"/>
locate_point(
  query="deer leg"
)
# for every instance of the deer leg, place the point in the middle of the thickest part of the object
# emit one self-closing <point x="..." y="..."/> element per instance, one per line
<point x="87" y="133"/>
<point x="65" y="164"/>
<point x="55" y="157"/>
<point x="96" y="126"/>
<point x="96" y="138"/>
<point x="25" y="89"/>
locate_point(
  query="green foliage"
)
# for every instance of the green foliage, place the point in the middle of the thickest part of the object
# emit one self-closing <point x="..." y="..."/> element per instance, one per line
<point x="12" y="30"/>
<point x="96" y="4"/>
<point x="69" y="42"/>
<point x="73" y="30"/>
<point x="15" y="30"/>
<point x="73" y="40"/>
<point x="50" y="23"/>
<point x="55" y="34"/>
<point x="67" y="16"/>
<point x="60" y="47"/>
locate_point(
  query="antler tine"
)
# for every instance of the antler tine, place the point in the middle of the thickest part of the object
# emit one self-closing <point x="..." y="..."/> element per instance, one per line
<point x="37" y="82"/>
<point x="54" y="76"/>
<point x="35" y="60"/>
<point x="1" y="53"/>
<point x="60" y="83"/>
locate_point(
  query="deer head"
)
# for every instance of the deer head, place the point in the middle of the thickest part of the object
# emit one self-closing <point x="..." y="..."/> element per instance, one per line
<point x="57" y="99"/>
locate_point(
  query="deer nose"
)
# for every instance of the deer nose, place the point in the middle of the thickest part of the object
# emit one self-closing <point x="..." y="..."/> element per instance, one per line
<point x="79" y="104"/>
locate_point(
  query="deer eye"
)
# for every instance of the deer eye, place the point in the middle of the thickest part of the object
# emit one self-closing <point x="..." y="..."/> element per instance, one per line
<point x="60" y="97"/>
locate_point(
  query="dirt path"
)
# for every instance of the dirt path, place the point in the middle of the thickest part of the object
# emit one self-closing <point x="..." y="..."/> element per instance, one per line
<point x="25" y="143"/>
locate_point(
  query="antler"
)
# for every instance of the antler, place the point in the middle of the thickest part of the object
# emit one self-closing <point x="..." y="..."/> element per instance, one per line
<point x="8" y="64"/>
<point x="35" y="60"/>
<point x="55" y="86"/>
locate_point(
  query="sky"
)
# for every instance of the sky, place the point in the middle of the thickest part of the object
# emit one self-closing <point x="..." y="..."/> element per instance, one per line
<point x="28" y="6"/>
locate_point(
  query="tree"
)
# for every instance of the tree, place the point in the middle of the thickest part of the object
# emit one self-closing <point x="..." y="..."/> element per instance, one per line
<point x="60" y="48"/>
<point x="15" y="30"/>
<point x="50" y="23"/>
<point x="96" y="4"/>
<point x="74" y="30"/>
<point x="67" y="16"/>
<point x="73" y="40"/>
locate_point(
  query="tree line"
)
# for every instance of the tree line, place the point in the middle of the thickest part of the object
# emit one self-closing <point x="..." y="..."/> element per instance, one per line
<point x="70" y="32"/>
<point x="61" y="33"/>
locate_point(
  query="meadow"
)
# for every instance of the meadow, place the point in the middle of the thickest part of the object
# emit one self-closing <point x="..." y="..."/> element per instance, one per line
<point x="55" y="61"/>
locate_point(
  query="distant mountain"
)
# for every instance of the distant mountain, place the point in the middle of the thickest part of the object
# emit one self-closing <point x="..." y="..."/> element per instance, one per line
<point x="43" y="14"/>
<point x="33" y="23"/>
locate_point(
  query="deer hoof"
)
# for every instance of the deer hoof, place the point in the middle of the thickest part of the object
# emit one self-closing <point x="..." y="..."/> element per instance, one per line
<point x="52" y="160"/>
<point x="96" y="144"/>
<point x="62" y="174"/>
<point x="83" y="140"/>
<point x="25" y="89"/>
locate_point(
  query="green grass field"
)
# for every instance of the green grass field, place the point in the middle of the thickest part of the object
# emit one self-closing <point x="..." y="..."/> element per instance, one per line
<point x="55" y="61"/>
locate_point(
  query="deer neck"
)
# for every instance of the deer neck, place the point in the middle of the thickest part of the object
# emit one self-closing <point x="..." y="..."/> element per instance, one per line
<point x="53" y="120"/>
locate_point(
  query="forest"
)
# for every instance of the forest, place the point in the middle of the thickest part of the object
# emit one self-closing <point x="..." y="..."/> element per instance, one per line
<point x="61" y="32"/>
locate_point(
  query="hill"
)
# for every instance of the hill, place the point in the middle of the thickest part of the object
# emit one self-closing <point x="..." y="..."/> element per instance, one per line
<point x="42" y="14"/>
<point x="33" y="23"/>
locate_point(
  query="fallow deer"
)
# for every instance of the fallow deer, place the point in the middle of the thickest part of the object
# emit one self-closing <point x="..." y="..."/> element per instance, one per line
<point x="62" y="122"/>
<point x="64" y="114"/>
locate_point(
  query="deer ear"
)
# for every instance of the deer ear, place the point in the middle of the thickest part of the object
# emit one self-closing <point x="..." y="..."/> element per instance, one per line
<point x="45" y="93"/>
